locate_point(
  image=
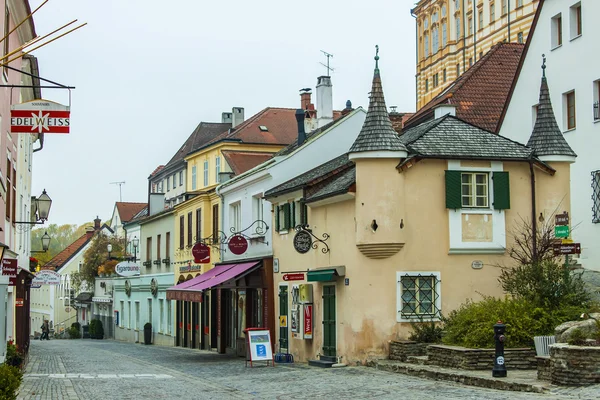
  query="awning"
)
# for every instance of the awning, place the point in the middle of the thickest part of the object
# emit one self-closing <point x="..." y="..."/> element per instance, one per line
<point x="192" y="290"/>
<point x="325" y="274"/>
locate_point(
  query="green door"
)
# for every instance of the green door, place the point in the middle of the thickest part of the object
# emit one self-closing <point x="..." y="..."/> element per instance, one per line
<point x="329" y="321"/>
<point x="283" y="311"/>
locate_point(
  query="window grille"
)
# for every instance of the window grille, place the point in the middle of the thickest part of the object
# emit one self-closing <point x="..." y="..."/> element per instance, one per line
<point x="596" y="197"/>
<point x="419" y="296"/>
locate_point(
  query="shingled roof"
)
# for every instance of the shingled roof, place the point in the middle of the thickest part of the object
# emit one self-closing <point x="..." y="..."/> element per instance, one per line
<point x="547" y="138"/>
<point x="377" y="133"/>
<point x="339" y="183"/>
<point x="59" y="260"/>
<point x="481" y="92"/>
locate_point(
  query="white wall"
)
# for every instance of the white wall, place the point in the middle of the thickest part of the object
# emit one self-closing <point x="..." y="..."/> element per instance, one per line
<point x="329" y="145"/>
<point x="572" y="66"/>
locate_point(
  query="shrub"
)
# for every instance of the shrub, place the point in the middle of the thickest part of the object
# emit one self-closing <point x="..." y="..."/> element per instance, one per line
<point x="74" y="333"/>
<point x="76" y="325"/>
<point x="577" y="337"/>
<point x="13" y="358"/>
<point x="426" y="332"/>
<point x="10" y="380"/>
<point x="472" y="324"/>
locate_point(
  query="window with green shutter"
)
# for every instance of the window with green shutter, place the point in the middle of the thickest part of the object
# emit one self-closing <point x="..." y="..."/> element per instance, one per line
<point x="453" y="189"/>
<point x="303" y="213"/>
<point x="501" y="190"/>
<point x="277" y="218"/>
<point x="286" y="216"/>
<point x="293" y="215"/>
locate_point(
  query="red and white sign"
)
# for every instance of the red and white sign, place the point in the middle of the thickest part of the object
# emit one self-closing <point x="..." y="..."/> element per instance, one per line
<point x="201" y="253"/>
<point x="40" y="116"/>
<point x="238" y="245"/>
<point x="9" y="267"/>
<point x="308" y="321"/>
<point x="18" y="302"/>
<point x="293" y="277"/>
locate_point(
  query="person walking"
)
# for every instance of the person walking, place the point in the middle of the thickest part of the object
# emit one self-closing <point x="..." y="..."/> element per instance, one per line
<point x="45" y="330"/>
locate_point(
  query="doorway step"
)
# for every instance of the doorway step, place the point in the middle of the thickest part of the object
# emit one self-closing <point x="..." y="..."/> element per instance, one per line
<point x="323" y="362"/>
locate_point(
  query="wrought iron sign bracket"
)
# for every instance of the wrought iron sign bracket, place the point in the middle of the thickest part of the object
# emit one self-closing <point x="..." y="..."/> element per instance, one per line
<point x="255" y="232"/>
<point x="317" y="240"/>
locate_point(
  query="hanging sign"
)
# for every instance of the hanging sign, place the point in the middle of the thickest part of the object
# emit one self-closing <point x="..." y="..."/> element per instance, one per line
<point x="293" y="277"/>
<point x="302" y="242"/>
<point x="259" y="343"/>
<point x="39" y="116"/>
<point x="308" y="321"/>
<point x="127" y="268"/>
<point x="201" y="253"/>
<point x="9" y="267"/>
<point x="238" y="245"/>
<point x="18" y="302"/>
<point x="46" y="277"/>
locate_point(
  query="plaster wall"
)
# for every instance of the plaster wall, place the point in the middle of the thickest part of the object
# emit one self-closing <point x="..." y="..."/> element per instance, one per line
<point x="151" y="229"/>
<point x="561" y="63"/>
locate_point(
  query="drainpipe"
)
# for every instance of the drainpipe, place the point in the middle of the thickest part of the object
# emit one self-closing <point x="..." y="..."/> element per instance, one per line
<point x="416" y="58"/>
<point x="464" y="36"/>
<point x="533" y="213"/>
<point x="508" y="18"/>
<point x="475" y="16"/>
<point x="221" y="249"/>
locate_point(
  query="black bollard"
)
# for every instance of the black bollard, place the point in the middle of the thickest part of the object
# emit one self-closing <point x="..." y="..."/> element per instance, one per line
<point x="499" y="370"/>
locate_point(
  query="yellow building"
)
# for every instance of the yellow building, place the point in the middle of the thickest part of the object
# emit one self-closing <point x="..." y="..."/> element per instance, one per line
<point x="453" y="34"/>
<point x="403" y="228"/>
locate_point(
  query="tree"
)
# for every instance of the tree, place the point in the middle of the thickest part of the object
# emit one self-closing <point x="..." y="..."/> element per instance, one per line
<point x="94" y="257"/>
<point x="60" y="237"/>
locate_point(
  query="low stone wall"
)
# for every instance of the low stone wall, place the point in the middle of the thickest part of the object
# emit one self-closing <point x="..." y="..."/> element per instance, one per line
<point x="479" y="359"/>
<point x="401" y="349"/>
<point x="574" y="365"/>
<point x="544" y="368"/>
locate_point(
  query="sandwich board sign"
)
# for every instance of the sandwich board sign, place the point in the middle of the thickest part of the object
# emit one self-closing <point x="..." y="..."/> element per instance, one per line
<point x="258" y="342"/>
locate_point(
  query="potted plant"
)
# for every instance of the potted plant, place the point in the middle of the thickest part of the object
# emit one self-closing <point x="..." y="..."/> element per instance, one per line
<point x="147" y="333"/>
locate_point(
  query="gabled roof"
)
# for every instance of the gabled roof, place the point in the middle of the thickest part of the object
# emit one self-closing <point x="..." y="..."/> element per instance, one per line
<point x="316" y="174"/>
<point x="453" y="138"/>
<point x="242" y="161"/>
<point x="141" y="215"/>
<point x="377" y="133"/>
<point x="128" y="210"/>
<point x="339" y="183"/>
<point x="59" y="260"/>
<point x="481" y="92"/>
<point x="280" y="123"/>
<point x="547" y="138"/>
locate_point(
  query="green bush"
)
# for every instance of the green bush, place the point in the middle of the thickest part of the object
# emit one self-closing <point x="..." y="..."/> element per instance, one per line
<point x="96" y="329"/>
<point x="10" y="380"/>
<point x="472" y="324"/>
<point x="13" y="357"/>
<point x="577" y="337"/>
<point x="74" y="333"/>
<point x="426" y="332"/>
<point x="76" y="325"/>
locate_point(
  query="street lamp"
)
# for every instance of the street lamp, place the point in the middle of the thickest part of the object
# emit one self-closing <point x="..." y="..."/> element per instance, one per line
<point x="136" y="243"/>
<point x="45" y="244"/>
<point x="44" y="202"/>
<point x="109" y="248"/>
<point x="40" y="209"/>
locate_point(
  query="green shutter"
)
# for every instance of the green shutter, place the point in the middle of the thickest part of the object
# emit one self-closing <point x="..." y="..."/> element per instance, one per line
<point x="303" y="213"/>
<point x="277" y="218"/>
<point x="286" y="216"/>
<point x="453" y="189"/>
<point x="501" y="191"/>
<point x="293" y="224"/>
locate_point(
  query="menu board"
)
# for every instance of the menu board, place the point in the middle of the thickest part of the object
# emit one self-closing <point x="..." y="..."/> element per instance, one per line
<point x="259" y="343"/>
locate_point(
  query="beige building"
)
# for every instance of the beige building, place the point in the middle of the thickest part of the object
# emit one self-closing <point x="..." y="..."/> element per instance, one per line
<point x="404" y="228"/>
<point x="452" y="35"/>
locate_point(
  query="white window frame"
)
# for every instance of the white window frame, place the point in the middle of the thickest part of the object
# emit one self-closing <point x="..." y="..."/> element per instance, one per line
<point x="169" y="317"/>
<point x="473" y="186"/>
<point x="174" y="181"/>
<point x="180" y="178"/>
<point x="556" y="31"/>
<point x="161" y="313"/>
<point x="235" y="216"/>
<point x="258" y="204"/>
<point x="217" y="169"/>
<point x="575" y="23"/>
<point x="168" y="183"/>
<point x="438" y="301"/>
<point x="566" y="110"/>
<point x="194" y="175"/>
<point x="205" y="172"/>
<point x="122" y="316"/>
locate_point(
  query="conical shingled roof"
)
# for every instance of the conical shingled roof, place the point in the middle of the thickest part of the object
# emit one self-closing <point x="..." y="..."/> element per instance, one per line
<point x="377" y="133"/>
<point x="547" y="138"/>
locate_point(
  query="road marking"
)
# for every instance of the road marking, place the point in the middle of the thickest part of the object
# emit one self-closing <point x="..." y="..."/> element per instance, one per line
<point x="98" y="376"/>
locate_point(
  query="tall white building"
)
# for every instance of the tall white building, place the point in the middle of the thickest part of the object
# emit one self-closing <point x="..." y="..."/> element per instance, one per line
<point x="564" y="32"/>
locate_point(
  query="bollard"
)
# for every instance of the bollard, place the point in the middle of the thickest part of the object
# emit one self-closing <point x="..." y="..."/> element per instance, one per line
<point x="499" y="370"/>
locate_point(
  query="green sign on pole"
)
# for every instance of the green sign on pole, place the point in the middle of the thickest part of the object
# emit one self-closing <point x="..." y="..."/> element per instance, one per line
<point x="561" y="231"/>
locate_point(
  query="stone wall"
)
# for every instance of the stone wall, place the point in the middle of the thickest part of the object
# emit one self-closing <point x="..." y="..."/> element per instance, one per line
<point x="544" y="368"/>
<point x="479" y="359"/>
<point x="401" y="349"/>
<point x="574" y="365"/>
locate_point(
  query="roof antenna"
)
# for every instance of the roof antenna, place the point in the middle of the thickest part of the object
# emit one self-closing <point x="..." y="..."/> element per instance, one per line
<point x="120" y="184"/>
<point x="329" y="69"/>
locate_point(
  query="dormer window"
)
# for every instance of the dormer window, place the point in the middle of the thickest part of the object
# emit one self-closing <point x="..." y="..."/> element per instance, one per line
<point x="263" y="128"/>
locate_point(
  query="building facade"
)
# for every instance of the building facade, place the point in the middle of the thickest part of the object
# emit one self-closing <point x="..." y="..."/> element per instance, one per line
<point x="452" y="35"/>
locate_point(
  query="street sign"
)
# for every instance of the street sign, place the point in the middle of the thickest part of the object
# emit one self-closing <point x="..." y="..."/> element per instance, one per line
<point x="561" y="231"/>
<point x="293" y="277"/>
<point x="561" y="219"/>
<point x="566" y="241"/>
<point x="563" y="249"/>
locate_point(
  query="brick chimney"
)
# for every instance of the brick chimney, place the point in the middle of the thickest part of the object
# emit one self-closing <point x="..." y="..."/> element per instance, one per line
<point x="305" y="95"/>
<point x="97" y="223"/>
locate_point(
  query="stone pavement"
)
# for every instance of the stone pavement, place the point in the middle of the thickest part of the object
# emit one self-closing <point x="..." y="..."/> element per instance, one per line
<point x="105" y="369"/>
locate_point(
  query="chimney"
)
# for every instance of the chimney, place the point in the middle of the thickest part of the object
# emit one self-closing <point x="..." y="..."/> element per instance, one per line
<point x="157" y="203"/>
<point x="301" y="132"/>
<point x="348" y="108"/>
<point x="324" y="101"/>
<point x="238" y="116"/>
<point x="305" y="95"/>
<point x="397" y="119"/>
<point x="97" y="223"/>
<point x="444" y="109"/>
<point x="226" y="118"/>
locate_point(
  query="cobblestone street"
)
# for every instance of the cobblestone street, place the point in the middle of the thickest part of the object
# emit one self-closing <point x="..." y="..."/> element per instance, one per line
<point x="90" y="369"/>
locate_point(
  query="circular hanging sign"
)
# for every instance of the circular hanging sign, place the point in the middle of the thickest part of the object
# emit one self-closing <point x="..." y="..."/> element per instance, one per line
<point x="201" y="253"/>
<point x="238" y="245"/>
<point x="154" y="287"/>
<point x="302" y="242"/>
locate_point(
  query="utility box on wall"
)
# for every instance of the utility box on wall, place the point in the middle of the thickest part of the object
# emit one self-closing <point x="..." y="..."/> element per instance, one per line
<point x="306" y="293"/>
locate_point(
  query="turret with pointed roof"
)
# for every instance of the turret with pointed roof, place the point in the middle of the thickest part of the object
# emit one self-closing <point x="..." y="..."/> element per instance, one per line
<point x="547" y="140"/>
<point x="377" y="134"/>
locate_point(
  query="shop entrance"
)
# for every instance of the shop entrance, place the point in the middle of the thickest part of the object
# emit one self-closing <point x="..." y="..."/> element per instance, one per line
<point x="283" y="315"/>
<point x="329" y="344"/>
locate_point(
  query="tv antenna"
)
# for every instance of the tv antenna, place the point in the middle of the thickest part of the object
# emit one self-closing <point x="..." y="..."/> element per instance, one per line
<point x="120" y="184"/>
<point x="329" y="69"/>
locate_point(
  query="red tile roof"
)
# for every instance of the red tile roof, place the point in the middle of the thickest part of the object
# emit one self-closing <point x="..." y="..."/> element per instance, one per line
<point x="481" y="92"/>
<point x="242" y="161"/>
<point x="59" y="260"/>
<point x="157" y="170"/>
<point x="128" y="210"/>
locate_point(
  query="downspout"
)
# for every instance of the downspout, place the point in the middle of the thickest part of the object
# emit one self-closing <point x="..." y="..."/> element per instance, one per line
<point x="475" y="16"/>
<point x="464" y="37"/>
<point x="41" y="139"/>
<point x="218" y="192"/>
<point x="508" y="18"/>
<point x="533" y="213"/>
<point x="416" y="58"/>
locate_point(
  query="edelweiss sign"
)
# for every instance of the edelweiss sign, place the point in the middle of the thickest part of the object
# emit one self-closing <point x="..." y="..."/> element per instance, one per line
<point x="127" y="268"/>
<point x="39" y="116"/>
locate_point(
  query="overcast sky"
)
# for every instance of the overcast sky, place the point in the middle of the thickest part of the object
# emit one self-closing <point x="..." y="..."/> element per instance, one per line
<point x="147" y="72"/>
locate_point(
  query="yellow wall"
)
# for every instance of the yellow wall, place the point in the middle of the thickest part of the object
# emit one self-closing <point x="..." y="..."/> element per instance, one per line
<point x="366" y="309"/>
